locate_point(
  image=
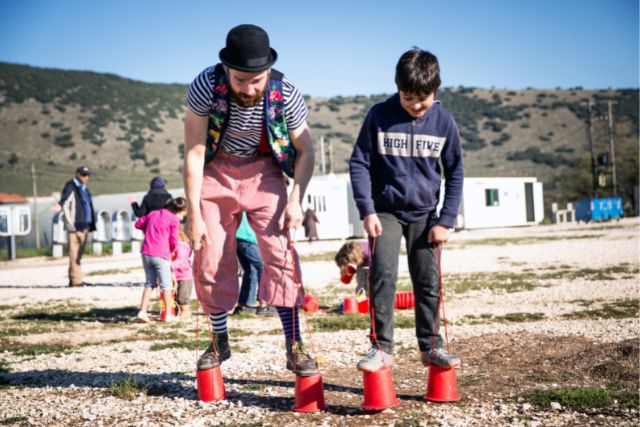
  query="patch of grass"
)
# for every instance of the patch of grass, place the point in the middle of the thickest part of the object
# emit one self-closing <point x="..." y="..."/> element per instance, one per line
<point x="321" y="256"/>
<point x="348" y="322"/>
<point x="507" y="281"/>
<point x="524" y="240"/>
<point x="4" y="366"/>
<point x="254" y="387"/>
<point x="35" y="328"/>
<point x="127" y="389"/>
<point x="469" y="380"/>
<point x="582" y="399"/>
<point x="73" y="313"/>
<point x="620" y="309"/>
<point x="13" y="420"/>
<point x="506" y="318"/>
<point x="112" y="271"/>
<point x="38" y="349"/>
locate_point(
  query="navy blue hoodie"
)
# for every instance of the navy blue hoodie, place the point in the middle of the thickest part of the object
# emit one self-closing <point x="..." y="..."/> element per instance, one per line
<point x="395" y="166"/>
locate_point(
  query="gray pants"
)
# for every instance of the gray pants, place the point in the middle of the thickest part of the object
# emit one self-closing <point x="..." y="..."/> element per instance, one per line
<point x="423" y="268"/>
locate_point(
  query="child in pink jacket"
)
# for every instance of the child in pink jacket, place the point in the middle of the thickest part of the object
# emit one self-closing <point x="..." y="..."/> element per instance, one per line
<point x="160" y="241"/>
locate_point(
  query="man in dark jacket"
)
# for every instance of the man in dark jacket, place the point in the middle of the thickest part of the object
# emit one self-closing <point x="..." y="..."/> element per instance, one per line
<point x="79" y="219"/>
<point x="155" y="199"/>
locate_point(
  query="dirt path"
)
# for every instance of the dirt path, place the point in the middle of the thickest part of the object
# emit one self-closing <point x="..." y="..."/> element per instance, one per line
<point x="545" y="320"/>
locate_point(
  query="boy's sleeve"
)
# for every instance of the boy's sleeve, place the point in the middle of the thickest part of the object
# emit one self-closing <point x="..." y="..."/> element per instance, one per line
<point x="360" y="168"/>
<point x="453" y="166"/>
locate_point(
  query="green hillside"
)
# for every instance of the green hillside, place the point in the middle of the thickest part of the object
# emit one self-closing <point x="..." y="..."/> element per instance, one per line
<point x="127" y="131"/>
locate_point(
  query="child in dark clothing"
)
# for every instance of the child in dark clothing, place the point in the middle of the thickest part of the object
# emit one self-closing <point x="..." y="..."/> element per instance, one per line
<point x="395" y="174"/>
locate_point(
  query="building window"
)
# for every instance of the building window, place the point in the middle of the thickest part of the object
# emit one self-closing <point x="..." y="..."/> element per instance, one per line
<point x="491" y="197"/>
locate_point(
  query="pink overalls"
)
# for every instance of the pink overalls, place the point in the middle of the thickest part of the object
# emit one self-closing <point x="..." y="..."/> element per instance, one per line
<point x="254" y="185"/>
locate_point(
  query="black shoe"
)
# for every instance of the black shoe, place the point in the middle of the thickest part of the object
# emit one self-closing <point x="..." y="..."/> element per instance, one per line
<point x="244" y="309"/>
<point x="267" y="310"/>
<point x="210" y="358"/>
<point x="305" y="366"/>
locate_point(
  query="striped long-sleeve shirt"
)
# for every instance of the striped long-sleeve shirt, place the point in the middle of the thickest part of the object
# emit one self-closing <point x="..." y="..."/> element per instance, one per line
<point x="242" y="136"/>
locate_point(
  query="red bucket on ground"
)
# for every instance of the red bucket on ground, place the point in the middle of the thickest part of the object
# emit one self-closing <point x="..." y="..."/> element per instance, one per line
<point x="379" y="391"/>
<point x="309" y="395"/>
<point x="363" y="306"/>
<point x="405" y="300"/>
<point x="174" y="307"/>
<point x="310" y="303"/>
<point x="441" y="384"/>
<point x="350" y="305"/>
<point x="210" y="385"/>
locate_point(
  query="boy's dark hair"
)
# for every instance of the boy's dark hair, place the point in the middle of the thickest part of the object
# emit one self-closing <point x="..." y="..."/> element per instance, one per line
<point x="177" y="205"/>
<point x="349" y="253"/>
<point x="418" y="72"/>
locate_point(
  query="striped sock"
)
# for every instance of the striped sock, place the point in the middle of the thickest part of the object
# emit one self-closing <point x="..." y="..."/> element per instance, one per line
<point x="219" y="322"/>
<point x="289" y="317"/>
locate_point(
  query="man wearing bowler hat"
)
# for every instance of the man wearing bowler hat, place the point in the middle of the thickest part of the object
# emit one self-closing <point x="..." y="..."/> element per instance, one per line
<point x="244" y="129"/>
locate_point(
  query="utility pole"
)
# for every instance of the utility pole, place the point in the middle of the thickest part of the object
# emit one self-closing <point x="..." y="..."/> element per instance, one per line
<point x="322" y="166"/>
<point x="330" y="157"/>
<point x="36" y="221"/>
<point x="612" y="152"/>
<point x="594" y="178"/>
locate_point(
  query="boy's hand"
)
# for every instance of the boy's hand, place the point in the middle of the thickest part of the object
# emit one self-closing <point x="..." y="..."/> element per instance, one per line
<point x="438" y="234"/>
<point x="372" y="225"/>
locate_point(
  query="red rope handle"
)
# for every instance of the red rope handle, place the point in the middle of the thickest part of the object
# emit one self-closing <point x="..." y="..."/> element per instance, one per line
<point x="438" y="249"/>
<point x="199" y="295"/>
<point x="298" y="286"/>
<point x="372" y="335"/>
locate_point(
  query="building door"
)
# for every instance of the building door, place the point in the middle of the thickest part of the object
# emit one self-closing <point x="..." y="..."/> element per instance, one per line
<point x="528" y="197"/>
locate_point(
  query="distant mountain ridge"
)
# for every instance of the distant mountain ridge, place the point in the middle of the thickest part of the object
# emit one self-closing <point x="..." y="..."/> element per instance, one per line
<point x="127" y="131"/>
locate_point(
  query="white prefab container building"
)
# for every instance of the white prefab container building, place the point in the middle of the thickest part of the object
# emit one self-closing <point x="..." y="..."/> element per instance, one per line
<point x="500" y="202"/>
<point x="328" y="195"/>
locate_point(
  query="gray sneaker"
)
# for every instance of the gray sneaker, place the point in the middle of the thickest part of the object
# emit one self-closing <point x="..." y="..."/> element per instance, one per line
<point x="211" y="359"/>
<point x="374" y="360"/>
<point x="305" y="366"/>
<point x="439" y="357"/>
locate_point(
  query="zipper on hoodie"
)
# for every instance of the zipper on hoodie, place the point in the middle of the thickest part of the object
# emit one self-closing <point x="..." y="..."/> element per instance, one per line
<point x="412" y="164"/>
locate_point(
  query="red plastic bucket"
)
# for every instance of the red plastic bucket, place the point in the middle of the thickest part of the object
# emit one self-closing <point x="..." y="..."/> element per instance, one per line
<point x="363" y="306"/>
<point x="441" y="384"/>
<point x="210" y="384"/>
<point x="350" y="305"/>
<point x="310" y="304"/>
<point x="309" y="394"/>
<point x="379" y="391"/>
<point x="405" y="300"/>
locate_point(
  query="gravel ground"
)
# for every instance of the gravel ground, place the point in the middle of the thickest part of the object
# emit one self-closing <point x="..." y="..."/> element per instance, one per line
<point x="501" y="358"/>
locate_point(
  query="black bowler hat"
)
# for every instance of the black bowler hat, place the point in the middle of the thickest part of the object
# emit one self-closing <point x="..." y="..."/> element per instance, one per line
<point x="248" y="49"/>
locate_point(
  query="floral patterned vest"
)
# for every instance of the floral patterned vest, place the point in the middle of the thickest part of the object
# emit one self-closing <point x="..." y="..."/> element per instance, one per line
<point x="275" y="137"/>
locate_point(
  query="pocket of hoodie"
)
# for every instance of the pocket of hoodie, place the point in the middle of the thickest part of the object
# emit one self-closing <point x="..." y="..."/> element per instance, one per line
<point x="424" y="194"/>
<point x="387" y="198"/>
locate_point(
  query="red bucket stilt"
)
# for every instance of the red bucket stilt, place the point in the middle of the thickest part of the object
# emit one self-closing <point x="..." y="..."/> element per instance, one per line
<point x="309" y="394"/>
<point x="441" y="384"/>
<point x="350" y="305"/>
<point x="210" y="384"/>
<point x="363" y="306"/>
<point x="379" y="391"/>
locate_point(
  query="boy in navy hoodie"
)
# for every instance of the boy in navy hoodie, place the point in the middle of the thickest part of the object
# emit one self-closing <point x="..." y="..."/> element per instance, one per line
<point x="395" y="174"/>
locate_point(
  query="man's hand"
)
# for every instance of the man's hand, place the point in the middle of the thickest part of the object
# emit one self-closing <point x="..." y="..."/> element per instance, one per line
<point x="292" y="216"/>
<point x="372" y="225"/>
<point x="56" y="208"/>
<point x="438" y="234"/>
<point x="132" y="198"/>
<point x="197" y="233"/>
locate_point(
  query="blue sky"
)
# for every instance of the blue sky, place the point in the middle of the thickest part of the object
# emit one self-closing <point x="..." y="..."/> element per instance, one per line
<point x="335" y="47"/>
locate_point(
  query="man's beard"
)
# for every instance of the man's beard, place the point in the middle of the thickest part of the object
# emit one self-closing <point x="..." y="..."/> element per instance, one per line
<point x="244" y="100"/>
